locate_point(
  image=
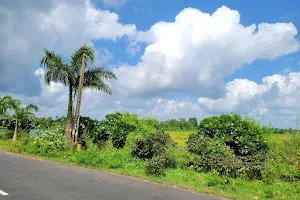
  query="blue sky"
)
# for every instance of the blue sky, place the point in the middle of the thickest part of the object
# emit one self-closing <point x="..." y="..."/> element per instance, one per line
<point x="172" y="58"/>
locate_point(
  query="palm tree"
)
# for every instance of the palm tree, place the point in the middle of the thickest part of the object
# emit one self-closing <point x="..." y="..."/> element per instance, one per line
<point x="69" y="74"/>
<point x="5" y="104"/>
<point x="21" y="113"/>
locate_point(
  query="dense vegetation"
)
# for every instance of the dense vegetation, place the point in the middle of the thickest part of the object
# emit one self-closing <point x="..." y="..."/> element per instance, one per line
<point x="227" y="155"/>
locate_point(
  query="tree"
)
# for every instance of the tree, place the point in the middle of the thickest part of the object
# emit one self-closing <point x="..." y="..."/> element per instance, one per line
<point x="21" y="113"/>
<point x="69" y="74"/>
<point x="193" y="121"/>
<point x="5" y="104"/>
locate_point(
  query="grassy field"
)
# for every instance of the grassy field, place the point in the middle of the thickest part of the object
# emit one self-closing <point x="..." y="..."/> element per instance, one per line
<point x="121" y="162"/>
<point x="180" y="137"/>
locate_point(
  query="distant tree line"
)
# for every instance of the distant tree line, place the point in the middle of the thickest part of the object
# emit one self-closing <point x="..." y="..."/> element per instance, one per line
<point x="285" y="131"/>
<point x="179" y="125"/>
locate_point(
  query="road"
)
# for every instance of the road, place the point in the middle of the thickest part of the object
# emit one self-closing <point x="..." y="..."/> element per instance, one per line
<point x="23" y="178"/>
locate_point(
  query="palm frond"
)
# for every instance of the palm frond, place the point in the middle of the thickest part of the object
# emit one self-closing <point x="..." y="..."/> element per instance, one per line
<point x="5" y="103"/>
<point x="94" y="79"/>
<point x="51" y="60"/>
<point x="99" y="85"/>
<point x="57" y="71"/>
<point x="76" y="57"/>
<point x="31" y="107"/>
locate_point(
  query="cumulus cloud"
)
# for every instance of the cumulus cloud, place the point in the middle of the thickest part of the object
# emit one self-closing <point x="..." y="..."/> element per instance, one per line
<point x="164" y="108"/>
<point x="277" y="96"/>
<point x="194" y="53"/>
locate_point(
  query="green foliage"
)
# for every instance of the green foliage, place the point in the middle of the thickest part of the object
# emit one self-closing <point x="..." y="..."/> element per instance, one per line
<point x="121" y="161"/>
<point x="284" y="159"/>
<point x="178" y="125"/>
<point x="89" y="157"/>
<point x="50" y="140"/>
<point x="152" y="145"/>
<point x="208" y="163"/>
<point x="155" y="167"/>
<point x="86" y="130"/>
<point x="99" y="134"/>
<point x="43" y="123"/>
<point x="223" y="149"/>
<point x="118" y="126"/>
<point x="243" y="135"/>
<point x="158" y="164"/>
<point x="12" y="112"/>
<point x="6" y="134"/>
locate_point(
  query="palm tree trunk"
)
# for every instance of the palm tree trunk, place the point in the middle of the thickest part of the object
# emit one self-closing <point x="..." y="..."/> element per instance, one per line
<point x="15" y="133"/>
<point x="77" y="112"/>
<point x="69" y="123"/>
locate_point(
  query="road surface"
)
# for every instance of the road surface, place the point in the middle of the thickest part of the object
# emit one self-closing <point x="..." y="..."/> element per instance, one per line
<point x="23" y="178"/>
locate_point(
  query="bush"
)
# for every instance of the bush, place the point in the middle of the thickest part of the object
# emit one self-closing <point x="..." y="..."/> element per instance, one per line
<point x="214" y="154"/>
<point x="6" y="135"/>
<point x="152" y="145"/>
<point x="199" y="144"/>
<point x="99" y="135"/>
<point x="50" y="140"/>
<point x="183" y="158"/>
<point x="168" y="161"/>
<point x="158" y="165"/>
<point x="243" y="135"/>
<point x="155" y="167"/>
<point x="118" y="126"/>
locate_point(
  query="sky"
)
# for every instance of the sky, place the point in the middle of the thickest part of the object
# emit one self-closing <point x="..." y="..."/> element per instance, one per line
<point x="184" y="58"/>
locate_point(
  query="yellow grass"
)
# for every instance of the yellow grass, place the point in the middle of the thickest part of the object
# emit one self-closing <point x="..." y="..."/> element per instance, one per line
<point x="180" y="137"/>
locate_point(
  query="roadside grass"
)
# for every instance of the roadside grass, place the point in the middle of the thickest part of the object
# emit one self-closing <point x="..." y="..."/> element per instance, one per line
<point x="121" y="162"/>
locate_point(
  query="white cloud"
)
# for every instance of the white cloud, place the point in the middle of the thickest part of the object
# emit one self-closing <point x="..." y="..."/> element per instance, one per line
<point x="277" y="95"/>
<point x="133" y="48"/>
<point x="164" y="108"/>
<point x="194" y="53"/>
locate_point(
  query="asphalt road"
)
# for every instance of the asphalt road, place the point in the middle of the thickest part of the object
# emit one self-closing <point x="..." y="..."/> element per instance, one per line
<point x="23" y="178"/>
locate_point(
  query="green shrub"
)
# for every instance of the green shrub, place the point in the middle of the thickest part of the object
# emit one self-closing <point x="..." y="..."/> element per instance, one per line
<point x="89" y="157"/>
<point x="118" y="126"/>
<point x="50" y="140"/>
<point x="99" y="133"/>
<point x="183" y="158"/>
<point x="168" y="161"/>
<point x="284" y="159"/>
<point x="155" y="167"/>
<point x="199" y="144"/>
<point x="152" y="145"/>
<point x="214" y="154"/>
<point x="6" y="135"/>
<point x="243" y="135"/>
